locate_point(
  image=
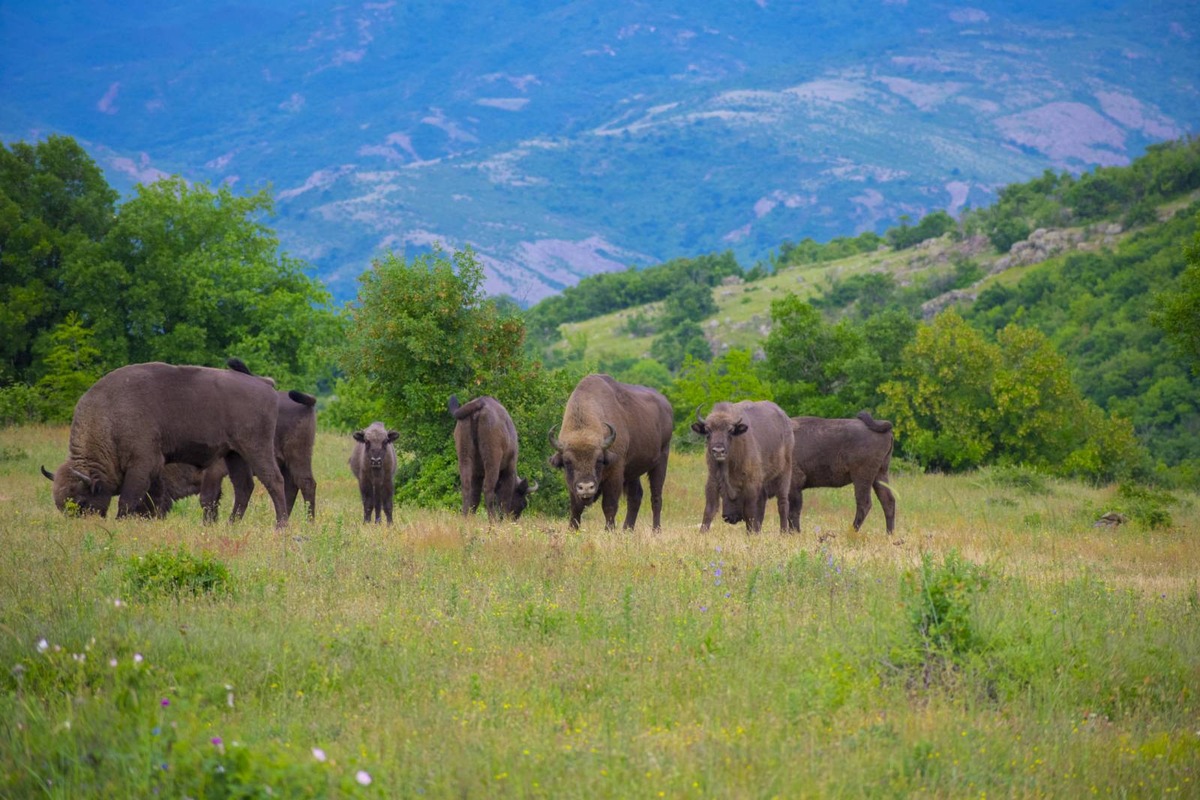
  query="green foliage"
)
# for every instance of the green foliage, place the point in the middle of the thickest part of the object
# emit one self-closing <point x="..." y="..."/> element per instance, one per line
<point x="1145" y="505"/>
<point x="1178" y="309"/>
<point x="421" y="331"/>
<point x="731" y="377"/>
<point x="355" y="404"/>
<point x="55" y="206"/>
<point x="1095" y="310"/>
<point x="612" y="291"/>
<point x="1018" y="477"/>
<point x="162" y="572"/>
<point x="686" y="340"/>
<point x="931" y="226"/>
<point x="72" y="366"/>
<point x="808" y="251"/>
<point x="21" y="405"/>
<point x="690" y="302"/>
<point x="938" y="601"/>
<point x="960" y="401"/>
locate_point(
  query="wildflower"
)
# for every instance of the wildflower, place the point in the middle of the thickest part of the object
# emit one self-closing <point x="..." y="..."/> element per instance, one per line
<point x="703" y="609"/>
<point x="155" y="731"/>
<point x="137" y="658"/>
<point x="117" y="602"/>
<point x="112" y="662"/>
<point x="363" y="777"/>
<point x="80" y="657"/>
<point x="165" y="702"/>
<point x="318" y="754"/>
<point x="43" y="645"/>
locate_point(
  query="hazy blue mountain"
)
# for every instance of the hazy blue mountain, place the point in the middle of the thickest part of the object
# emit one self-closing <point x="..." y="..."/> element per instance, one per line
<point x="562" y="139"/>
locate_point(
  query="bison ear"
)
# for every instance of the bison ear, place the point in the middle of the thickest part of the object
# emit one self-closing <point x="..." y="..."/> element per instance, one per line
<point x="393" y="436"/>
<point x="700" y="428"/>
<point x="359" y="436"/>
<point x="556" y="461"/>
<point x="740" y="428"/>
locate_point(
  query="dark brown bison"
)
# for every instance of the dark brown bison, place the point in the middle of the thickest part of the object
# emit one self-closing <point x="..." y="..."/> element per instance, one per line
<point x="831" y="453"/>
<point x="295" y="435"/>
<point x="748" y="450"/>
<point x="373" y="462"/>
<point x="613" y="433"/>
<point x="486" y="442"/>
<point x="138" y="418"/>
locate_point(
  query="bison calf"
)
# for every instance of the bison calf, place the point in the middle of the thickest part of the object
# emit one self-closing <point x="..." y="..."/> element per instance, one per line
<point x="373" y="462"/>
<point x="749" y="456"/>
<point x="485" y="440"/>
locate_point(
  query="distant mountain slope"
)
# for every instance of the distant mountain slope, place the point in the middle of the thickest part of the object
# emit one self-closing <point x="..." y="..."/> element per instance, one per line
<point x="564" y="140"/>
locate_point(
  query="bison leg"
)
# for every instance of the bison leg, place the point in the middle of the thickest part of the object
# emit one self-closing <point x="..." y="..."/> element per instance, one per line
<point x="783" y="501"/>
<point x="712" y="497"/>
<point x="609" y="500"/>
<point x="368" y="501"/>
<point x="888" y="500"/>
<point x="290" y="489"/>
<point x="308" y="489"/>
<point x="755" y="508"/>
<point x="862" y="502"/>
<point x="795" y="504"/>
<point x="139" y="478"/>
<point x="633" y="501"/>
<point x="210" y="494"/>
<point x="266" y="469"/>
<point x="657" y="478"/>
<point x="242" y="481"/>
<point x="577" y="507"/>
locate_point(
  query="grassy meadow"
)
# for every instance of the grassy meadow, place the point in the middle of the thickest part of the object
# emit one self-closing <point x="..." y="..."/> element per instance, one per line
<point x="997" y="645"/>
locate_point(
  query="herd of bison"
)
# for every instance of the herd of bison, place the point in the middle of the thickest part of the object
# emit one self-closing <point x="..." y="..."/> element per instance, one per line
<point x="153" y="433"/>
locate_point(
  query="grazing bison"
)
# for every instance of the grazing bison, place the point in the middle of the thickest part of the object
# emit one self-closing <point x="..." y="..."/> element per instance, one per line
<point x="373" y="462"/>
<point x="486" y="442"/>
<point x="139" y="417"/>
<point x="748" y="450"/>
<point x="613" y="433"/>
<point x="831" y="453"/>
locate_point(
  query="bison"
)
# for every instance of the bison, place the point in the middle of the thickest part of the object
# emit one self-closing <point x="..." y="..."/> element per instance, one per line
<point x="138" y="418"/>
<point x="373" y="462"/>
<point x="748" y="450"/>
<point x="831" y="453"/>
<point x="295" y="434"/>
<point x="486" y="442"/>
<point x="613" y="433"/>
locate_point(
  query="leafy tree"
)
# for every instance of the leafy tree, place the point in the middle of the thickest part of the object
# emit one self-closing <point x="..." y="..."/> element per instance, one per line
<point x="72" y="365"/>
<point x="691" y="302"/>
<point x="189" y="275"/>
<point x="420" y="331"/>
<point x="54" y="205"/>
<point x="1178" y="310"/>
<point x="732" y="377"/>
<point x="676" y="345"/>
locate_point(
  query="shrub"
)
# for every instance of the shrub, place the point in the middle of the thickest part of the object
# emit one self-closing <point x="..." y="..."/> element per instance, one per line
<point x="163" y="572"/>
<point x="938" y="601"/>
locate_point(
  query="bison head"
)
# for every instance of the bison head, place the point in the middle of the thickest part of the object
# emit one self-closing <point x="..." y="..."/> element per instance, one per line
<point x="718" y="432"/>
<point x="76" y="490"/>
<point x="520" y="497"/>
<point x="582" y="462"/>
<point x="376" y="439"/>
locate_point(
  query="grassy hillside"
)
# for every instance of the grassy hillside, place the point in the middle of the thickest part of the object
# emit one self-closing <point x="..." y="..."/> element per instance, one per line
<point x="1033" y="654"/>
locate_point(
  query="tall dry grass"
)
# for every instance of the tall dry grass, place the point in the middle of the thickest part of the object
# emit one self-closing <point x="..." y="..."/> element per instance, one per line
<point x="441" y="656"/>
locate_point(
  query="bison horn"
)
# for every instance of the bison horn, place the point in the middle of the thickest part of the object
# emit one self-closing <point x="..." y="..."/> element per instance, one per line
<point x="533" y="487"/>
<point x="46" y="472"/>
<point x="699" y="418"/>
<point x="554" y="439"/>
<point x="83" y="477"/>
<point x="608" y="440"/>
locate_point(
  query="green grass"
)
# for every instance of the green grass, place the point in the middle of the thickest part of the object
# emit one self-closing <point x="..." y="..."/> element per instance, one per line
<point x="443" y="658"/>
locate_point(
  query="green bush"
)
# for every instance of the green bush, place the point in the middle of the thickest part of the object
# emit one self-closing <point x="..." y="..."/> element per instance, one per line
<point x="938" y="601"/>
<point x="163" y="572"/>
<point x="21" y="405"/>
<point x="1146" y="505"/>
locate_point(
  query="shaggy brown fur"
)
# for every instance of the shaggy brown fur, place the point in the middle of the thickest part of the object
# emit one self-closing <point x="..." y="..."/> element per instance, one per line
<point x="748" y="450"/>
<point x="612" y="433"/>
<point x="485" y="440"/>
<point x="373" y="462"/>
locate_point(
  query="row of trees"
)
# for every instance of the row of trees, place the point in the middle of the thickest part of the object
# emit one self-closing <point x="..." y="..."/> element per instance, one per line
<point x="179" y="273"/>
<point x="190" y="274"/>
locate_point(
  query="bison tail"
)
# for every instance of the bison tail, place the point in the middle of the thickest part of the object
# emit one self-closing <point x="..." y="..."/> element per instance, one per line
<point x="237" y="365"/>
<point x="302" y="398"/>
<point x="462" y="412"/>
<point x="47" y="473"/>
<point x="877" y="425"/>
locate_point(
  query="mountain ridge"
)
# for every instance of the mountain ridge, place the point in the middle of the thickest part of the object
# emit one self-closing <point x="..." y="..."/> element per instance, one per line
<point x="559" y="141"/>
